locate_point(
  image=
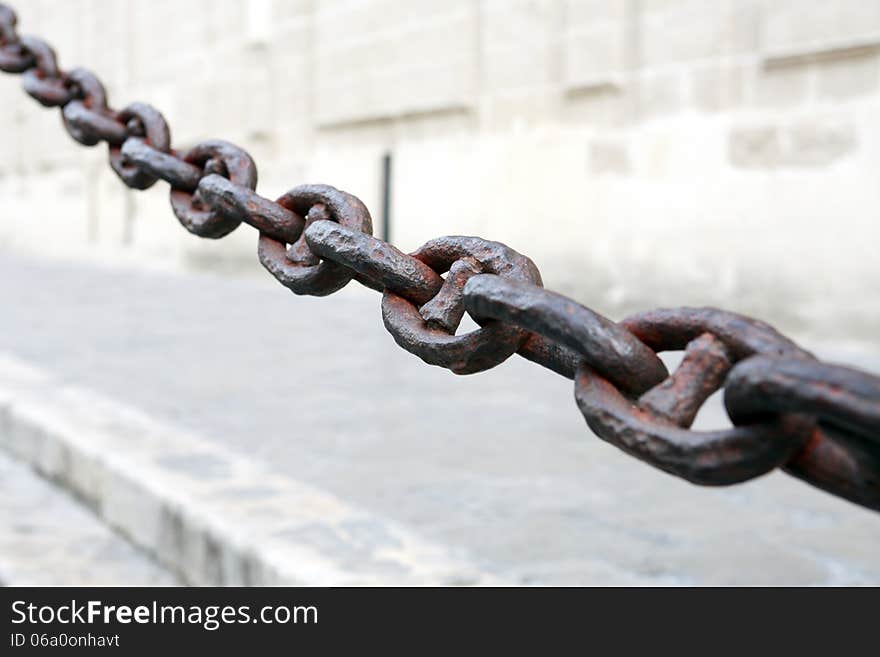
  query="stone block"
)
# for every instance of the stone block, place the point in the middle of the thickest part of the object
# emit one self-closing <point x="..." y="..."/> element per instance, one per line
<point x="756" y="147"/>
<point x="594" y="54"/>
<point x="660" y="94"/>
<point x="791" y="26"/>
<point x="846" y="77"/>
<point x="681" y="32"/>
<point x="779" y="87"/>
<point x="715" y="87"/>
<point x="609" y="157"/>
<point x="818" y="142"/>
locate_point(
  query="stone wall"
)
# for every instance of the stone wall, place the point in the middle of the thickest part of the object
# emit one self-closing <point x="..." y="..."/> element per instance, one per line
<point x="642" y="152"/>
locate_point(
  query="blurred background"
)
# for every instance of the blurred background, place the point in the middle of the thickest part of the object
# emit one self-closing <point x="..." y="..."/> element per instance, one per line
<point x="643" y="153"/>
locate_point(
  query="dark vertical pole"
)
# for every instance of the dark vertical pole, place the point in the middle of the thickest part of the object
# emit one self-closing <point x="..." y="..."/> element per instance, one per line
<point x="386" y="196"/>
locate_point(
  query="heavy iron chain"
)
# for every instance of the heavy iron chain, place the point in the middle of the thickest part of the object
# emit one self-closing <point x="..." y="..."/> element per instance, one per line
<point x="817" y="421"/>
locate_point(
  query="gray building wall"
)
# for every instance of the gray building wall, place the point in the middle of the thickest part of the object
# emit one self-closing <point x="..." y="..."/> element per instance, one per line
<point x="642" y="152"/>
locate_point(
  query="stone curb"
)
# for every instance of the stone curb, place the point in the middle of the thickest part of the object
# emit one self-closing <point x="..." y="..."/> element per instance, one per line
<point x="208" y="515"/>
<point x="48" y="539"/>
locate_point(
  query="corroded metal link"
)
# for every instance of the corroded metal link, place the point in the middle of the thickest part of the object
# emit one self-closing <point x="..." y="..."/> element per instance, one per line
<point x="375" y="260"/>
<point x="433" y="341"/>
<point x="840" y="395"/>
<point x="655" y="429"/>
<point x="44" y="81"/>
<point x="44" y="55"/>
<point x="446" y="309"/>
<point x="840" y="462"/>
<point x="549" y="354"/>
<point x="167" y="166"/>
<point x="818" y="422"/>
<point x="843" y="455"/>
<point x="214" y="156"/>
<point x="14" y="58"/>
<point x="89" y="127"/>
<point x="709" y="458"/>
<point x="87" y="118"/>
<point x="674" y="328"/>
<point x="701" y="372"/>
<point x="298" y="268"/>
<point x="8" y="21"/>
<point x="90" y="90"/>
<point x="244" y="204"/>
<point x="144" y="121"/>
<point x="611" y="350"/>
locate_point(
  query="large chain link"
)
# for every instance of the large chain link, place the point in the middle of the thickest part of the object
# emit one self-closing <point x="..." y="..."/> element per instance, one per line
<point x="819" y="422"/>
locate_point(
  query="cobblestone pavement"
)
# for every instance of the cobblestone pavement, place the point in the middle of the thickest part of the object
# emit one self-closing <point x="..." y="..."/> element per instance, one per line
<point x="499" y="465"/>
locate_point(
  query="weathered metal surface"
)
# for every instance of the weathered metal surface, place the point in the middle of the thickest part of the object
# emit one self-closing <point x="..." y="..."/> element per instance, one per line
<point x="710" y="458"/>
<point x="44" y="81"/>
<point x="553" y="356"/>
<point x="843" y="454"/>
<point x="701" y="372"/>
<point x="167" y="166"/>
<point x="671" y="329"/>
<point x="655" y="427"/>
<point x="298" y="268"/>
<point x="213" y="156"/>
<point x="838" y="395"/>
<point x="446" y="309"/>
<point x="244" y="204"/>
<point x="375" y="260"/>
<point x="840" y="463"/>
<point x="14" y="58"/>
<point x="819" y="422"/>
<point x="143" y="121"/>
<point x="435" y="342"/>
<point x="87" y="118"/>
<point x="600" y="342"/>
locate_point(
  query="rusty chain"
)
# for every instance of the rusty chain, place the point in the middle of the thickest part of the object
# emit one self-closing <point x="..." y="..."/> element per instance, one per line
<point x="817" y="421"/>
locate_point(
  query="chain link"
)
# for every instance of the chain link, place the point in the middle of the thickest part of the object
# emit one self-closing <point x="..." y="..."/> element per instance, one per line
<point x="817" y="421"/>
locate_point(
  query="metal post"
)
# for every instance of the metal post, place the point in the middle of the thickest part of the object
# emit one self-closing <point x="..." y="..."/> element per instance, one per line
<point x="386" y="196"/>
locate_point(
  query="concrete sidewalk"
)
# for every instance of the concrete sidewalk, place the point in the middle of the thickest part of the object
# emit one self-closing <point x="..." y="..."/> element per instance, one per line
<point x="498" y="467"/>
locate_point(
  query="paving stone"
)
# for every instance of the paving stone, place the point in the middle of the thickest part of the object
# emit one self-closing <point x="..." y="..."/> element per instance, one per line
<point x="499" y="466"/>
